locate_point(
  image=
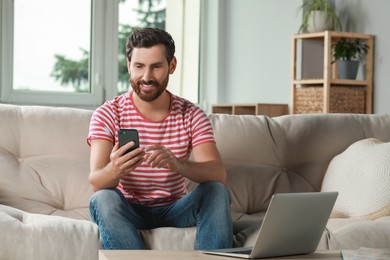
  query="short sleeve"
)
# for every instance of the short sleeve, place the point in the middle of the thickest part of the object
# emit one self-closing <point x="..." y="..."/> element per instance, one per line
<point x="202" y="130"/>
<point x="102" y="125"/>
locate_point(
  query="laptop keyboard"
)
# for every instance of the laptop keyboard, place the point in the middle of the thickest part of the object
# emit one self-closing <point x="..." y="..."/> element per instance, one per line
<point x="244" y="252"/>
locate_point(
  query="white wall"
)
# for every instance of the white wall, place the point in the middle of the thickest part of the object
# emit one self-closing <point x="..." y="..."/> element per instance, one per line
<point x="246" y="48"/>
<point x="372" y="17"/>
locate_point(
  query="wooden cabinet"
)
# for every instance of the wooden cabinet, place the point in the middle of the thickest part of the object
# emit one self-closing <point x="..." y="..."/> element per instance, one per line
<point x="329" y="94"/>
<point x="270" y="110"/>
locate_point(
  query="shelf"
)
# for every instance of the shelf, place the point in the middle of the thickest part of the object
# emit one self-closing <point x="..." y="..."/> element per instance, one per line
<point x="222" y="109"/>
<point x="334" y="35"/>
<point x="332" y="81"/>
<point x="270" y="110"/>
<point x="333" y="94"/>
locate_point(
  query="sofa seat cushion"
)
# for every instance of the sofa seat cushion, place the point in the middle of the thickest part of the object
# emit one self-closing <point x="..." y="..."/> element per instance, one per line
<point x="162" y="238"/>
<point x="245" y="228"/>
<point x="352" y="233"/>
<point x="47" y="237"/>
<point x="361" y="176"/>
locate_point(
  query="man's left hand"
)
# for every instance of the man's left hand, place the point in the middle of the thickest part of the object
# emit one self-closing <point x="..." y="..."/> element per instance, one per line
<point x="161" y="157"/>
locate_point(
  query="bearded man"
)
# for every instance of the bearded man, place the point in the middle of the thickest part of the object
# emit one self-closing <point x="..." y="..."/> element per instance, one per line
<point x="145" y="188"/>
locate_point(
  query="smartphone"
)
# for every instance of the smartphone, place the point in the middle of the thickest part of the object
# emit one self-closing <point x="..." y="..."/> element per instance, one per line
<point x="128" y="135"/>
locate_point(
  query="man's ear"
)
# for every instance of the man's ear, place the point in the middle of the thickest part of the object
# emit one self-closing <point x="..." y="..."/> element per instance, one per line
<point x="172" y="65"/>
<point x="128" y="66"/>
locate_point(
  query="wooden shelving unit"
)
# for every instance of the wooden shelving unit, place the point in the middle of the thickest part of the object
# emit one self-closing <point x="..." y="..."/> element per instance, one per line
<point x="330" y="94"/>
<point x="270" y="110"/>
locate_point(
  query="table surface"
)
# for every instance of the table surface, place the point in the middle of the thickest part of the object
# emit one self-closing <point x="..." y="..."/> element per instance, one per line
<point x="171" y="255"/>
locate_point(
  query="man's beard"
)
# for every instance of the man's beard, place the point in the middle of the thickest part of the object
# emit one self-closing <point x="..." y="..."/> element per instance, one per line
<point x="159" y="88"/>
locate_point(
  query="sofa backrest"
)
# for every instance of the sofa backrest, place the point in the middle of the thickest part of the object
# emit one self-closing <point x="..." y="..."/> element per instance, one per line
<point x="44" y="160"/>
<point x="290" y="153"/>
<point x="44" y="157"/>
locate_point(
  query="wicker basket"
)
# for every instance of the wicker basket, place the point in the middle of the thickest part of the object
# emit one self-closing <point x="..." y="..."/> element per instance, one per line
<point x="351" y="99"/>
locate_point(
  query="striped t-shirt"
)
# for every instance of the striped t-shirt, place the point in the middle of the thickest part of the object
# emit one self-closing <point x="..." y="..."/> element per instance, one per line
<point x="185" y="127"/>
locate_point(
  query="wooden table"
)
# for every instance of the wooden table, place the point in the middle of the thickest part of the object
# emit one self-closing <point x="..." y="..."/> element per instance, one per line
<point x="172" y="255"/>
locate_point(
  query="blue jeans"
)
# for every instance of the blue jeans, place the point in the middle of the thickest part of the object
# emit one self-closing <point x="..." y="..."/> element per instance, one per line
<point x="207" y="207"/>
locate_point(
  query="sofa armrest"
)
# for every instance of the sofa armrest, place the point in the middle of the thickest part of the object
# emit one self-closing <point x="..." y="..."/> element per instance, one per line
<point x="35" y="236"/>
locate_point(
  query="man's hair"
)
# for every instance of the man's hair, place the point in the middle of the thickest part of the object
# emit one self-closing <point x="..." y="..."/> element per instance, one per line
<point x="149" y="37"/>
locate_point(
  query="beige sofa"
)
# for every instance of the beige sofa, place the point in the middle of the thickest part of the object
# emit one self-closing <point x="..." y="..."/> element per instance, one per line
<point x="44" y="189"/>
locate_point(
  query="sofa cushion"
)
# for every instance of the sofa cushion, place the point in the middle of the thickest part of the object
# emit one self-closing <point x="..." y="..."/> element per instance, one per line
<point x="161" y="238"/>
<point x="37" y="236"/>
<point x="352" y="233"/>
<point x="44" y="160"/>
<point x="361" y="175"/>
<point x="252" y="185"/>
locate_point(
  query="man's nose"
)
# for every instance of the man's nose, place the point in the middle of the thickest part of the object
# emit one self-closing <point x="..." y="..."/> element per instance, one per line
<point x="148" y="75"/>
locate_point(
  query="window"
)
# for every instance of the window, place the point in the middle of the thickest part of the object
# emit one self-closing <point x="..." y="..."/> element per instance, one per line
<point x="51" y="56"/>
<point x="46" y="49"/>
<point x="133" y="14"/>
<point x="66" y="53"/>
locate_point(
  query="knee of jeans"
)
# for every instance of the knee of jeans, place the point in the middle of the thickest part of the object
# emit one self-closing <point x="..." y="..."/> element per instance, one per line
<point x="104" y="197"/>
<point x="217" y="190"/>
<point x="103" y="202"/>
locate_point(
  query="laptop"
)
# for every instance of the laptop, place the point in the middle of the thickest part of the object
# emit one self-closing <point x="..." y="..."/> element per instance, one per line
<point x="293" y="225"/>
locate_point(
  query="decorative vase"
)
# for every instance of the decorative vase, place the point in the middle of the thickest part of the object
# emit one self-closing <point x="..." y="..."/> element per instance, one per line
<point x="347" y="69"/>
<point x="319" y="21"/>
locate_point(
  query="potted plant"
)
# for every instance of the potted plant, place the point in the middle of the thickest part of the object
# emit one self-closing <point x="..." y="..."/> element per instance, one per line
<point x="347" y="53"/>
<point x="318" y="16"/>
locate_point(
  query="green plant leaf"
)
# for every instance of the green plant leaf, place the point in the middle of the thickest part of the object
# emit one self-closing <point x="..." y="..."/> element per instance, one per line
<point x="349" y="49"/>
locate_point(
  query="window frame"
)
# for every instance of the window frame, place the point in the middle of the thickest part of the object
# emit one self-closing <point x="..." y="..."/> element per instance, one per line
<point x="9" y="95"/>
<point x="184" y="23"/>
<point x="103" y="60"/>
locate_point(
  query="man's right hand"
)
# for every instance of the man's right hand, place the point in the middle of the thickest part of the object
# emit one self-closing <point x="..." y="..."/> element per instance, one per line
<point x="109" y="163"/>
<point x="121" y="163"/>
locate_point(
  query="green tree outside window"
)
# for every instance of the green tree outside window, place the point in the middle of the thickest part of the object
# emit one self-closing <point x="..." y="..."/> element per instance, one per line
<point x="75" y="72"/>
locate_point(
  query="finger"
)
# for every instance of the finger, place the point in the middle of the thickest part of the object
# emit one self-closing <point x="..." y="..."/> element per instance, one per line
<point x="114" y="151"/>
<point x="129" y="162"/>
<point x="139" y="162"/>
<point x="122" y="150"/>
<point x="140" y="152"/>
<point x="146" y="156"/>
<point x="115" y="148"/>
<point x="133" y="163"/>
<point x="153" y="148"/>
<point x="157" y="160"/>
<point x="151" y="157"/>
<point x="164" y="163"/>
<point x="120" y="159"/>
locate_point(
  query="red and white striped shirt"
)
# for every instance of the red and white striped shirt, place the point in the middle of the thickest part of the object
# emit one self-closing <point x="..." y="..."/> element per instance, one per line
<point x="185" y="127"/>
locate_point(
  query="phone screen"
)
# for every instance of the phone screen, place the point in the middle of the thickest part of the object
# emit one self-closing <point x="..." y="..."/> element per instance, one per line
<point x="128" y="135"/>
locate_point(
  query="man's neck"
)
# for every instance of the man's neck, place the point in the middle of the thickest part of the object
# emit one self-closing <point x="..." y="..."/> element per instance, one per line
<point x="155" y="110"/>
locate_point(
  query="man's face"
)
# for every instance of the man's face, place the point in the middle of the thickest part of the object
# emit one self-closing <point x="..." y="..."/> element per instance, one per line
<point x="149" y="72"/>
